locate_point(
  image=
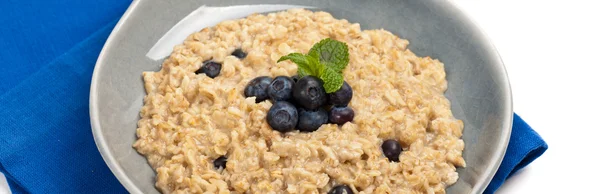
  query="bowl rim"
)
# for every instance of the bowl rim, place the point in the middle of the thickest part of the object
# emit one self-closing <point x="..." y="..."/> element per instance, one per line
<point x="124" y="179"/>
<point x="508" y="113"/>
<point x="105" y="152"/>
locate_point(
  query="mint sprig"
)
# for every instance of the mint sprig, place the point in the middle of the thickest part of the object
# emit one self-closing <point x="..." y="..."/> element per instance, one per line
<point x="325" y="60"/>
<point x="332" y="53"/>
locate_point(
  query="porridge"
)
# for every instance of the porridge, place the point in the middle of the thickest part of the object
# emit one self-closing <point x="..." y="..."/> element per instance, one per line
<point x="201" y="134"/>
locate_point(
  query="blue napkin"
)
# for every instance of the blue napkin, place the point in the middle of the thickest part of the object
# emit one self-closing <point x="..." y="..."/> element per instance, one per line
<point x="46" y="145"/>
<point x="524" y="147"/>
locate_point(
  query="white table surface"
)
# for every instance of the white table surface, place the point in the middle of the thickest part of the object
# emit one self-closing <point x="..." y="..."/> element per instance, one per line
<point x="551" y="53"/>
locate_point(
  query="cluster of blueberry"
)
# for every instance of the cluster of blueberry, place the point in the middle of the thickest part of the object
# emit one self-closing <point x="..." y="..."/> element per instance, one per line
<point x="301" y="103"/>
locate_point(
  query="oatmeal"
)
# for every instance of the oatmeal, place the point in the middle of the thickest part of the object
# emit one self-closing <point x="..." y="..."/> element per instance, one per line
<point x="193" y="119"/>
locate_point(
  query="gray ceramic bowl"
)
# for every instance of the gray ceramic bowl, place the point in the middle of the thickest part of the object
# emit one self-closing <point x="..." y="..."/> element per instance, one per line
<point x="478" y="85"/>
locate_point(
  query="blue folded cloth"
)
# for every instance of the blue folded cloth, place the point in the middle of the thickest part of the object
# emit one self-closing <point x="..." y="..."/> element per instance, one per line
<point x="524" y="147"/>
<point x="46" y="144"/>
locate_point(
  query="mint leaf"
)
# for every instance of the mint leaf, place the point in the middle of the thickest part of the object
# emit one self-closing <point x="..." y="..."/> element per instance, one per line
<point x="332" y="79"/>
<point x="314" y="64"/>
<point x="325" y="60"/>
<point x="301" y="73"/>
<point x="332" y="53"/>
<point x="304" y="64"/>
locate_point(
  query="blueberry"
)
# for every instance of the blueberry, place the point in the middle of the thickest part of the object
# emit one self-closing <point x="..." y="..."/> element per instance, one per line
<point x="309" y="92"/>
<point x="280" y="88"/>
<point x="282" y="116"/>
<point x="341" y="115"/>
<point x="391" y="149"/>
<point x="309" y="121"/>
<point x="342" y="96"/>
<point x="341" y="189"/>
<point x="220" y="162"/>
<point x="239" y="53"/>
<point x="257" y="87"/>
<point x="210" y="68"/>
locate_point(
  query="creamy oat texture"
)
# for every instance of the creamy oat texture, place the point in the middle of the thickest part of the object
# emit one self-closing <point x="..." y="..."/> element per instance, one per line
<point x="189" y="120"/>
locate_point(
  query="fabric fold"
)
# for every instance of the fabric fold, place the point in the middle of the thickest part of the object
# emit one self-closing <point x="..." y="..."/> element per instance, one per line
<point x="46" y="144"/>
<point x="524" y="147"/>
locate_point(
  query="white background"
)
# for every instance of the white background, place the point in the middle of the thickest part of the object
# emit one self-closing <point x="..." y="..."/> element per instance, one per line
<point x="551" y="52"/>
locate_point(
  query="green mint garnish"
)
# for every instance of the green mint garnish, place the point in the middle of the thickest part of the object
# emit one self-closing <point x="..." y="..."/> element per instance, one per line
<point x="325" y="60"/>
<point x="332" y="53"/>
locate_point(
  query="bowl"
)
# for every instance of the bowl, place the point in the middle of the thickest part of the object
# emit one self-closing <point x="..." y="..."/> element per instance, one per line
<point x="478" y="86"/>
